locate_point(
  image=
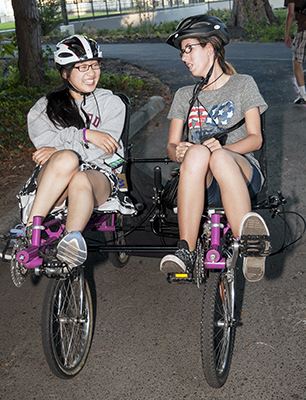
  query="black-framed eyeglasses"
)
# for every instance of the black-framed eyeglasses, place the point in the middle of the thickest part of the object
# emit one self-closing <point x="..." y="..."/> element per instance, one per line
<point x="188" y="49"/>
<point x="85" y="67"/>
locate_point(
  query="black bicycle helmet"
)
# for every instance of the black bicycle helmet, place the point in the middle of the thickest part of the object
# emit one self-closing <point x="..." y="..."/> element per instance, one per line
<point x="75" y="49"/>
<point x="199" y="26"/>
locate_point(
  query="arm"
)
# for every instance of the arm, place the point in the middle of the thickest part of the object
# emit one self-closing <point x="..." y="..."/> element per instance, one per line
<point x="47" y="138"/>
<point x="109" y="131"/>
<point x="250" y="143"/>
<point x="42" y="131"/>
<point x="176" y="149"/>
<point x="289" y="21"/>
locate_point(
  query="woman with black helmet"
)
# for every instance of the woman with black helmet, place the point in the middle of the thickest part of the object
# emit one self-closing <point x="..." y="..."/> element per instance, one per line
<point x="76" y="130"/>
<point x="211" y="172"/>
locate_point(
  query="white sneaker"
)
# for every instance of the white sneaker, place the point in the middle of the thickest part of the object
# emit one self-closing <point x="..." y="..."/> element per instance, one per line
<point x="72" y="249"/>
<point x="255" y="240"/>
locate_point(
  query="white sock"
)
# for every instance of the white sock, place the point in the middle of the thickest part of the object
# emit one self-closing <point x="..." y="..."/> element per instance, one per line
<point x="302" y="91"/>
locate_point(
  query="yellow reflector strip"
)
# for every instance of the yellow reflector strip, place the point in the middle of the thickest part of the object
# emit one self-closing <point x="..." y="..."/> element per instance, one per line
<point x="181" y="275"/>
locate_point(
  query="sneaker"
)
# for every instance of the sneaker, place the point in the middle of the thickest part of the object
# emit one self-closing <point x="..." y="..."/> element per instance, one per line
<point x="183" y="260"/>
<point x="255" y="240"/>
<point x="300" y="100"/>
<point x="8" y="240"/>
<point x="72" y="249"/>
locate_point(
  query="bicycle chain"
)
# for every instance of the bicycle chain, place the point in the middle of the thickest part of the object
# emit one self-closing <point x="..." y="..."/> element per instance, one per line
<point x="199" y="270"/>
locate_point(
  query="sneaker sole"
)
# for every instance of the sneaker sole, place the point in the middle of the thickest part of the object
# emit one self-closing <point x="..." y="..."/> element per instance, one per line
<point x="254" y="267"/>
<point x="171" y="263"/>
<point x="72" y="249"/>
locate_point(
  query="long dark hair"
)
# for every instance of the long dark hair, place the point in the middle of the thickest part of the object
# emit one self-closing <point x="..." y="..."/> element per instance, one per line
<point x="61" y="107"/>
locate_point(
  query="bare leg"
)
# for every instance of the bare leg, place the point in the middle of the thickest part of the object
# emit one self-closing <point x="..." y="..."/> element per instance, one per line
<point x="53" y="180"/>
<point x="232" y="172"/>
<point x="298" y="72"/>
<point x="193" y="174"/>
<point x="87" y="189"/>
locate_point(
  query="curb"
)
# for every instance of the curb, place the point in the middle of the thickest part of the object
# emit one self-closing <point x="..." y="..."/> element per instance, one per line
<point x="138" y="120"/>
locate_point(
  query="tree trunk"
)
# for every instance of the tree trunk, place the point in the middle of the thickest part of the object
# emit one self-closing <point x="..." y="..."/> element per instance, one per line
<point x="246" y="10"/>
<point x="30" y="62"/>
<point x="64" y="12"/>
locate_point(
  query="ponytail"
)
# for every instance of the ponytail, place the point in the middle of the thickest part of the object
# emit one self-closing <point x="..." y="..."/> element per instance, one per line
<point x="216" y="42"/>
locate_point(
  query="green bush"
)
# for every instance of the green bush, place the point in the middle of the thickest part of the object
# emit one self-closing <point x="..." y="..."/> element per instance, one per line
<point x="224" y="14"/>
<point x="264" y="32"/>
<point x="8" y="48"/>
<point x="166" y="28"/>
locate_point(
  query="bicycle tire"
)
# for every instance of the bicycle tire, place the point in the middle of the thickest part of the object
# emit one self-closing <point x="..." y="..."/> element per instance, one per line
<point x="217" y="328"/>
<point x="118" y="259"/>
<point x="66" y="330"/>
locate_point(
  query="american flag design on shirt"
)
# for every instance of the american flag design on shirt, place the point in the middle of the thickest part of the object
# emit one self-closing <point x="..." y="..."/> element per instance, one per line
<point x="202" y="122"/>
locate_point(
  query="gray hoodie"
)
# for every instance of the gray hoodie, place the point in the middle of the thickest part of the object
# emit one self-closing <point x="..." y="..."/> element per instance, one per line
<point x="106" y="112"/>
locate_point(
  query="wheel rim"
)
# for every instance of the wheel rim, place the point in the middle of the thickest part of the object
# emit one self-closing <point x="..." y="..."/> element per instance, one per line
<point x="222" y="326"/>
<point x="70" y="326"/>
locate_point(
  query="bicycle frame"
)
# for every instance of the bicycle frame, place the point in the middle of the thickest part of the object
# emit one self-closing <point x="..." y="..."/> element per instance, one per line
<point x="216" y="229"/>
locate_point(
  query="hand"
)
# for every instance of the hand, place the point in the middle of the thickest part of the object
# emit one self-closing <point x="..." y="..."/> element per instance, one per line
<point x="288" y="41"/>
<point x="42" y="155"/>
<point x="212" y="144"/>
<point x="103" y="140"/>
<point x="181" y="149"/>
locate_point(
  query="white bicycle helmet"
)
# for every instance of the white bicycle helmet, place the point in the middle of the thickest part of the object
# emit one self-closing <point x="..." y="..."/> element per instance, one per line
<point x="75" y="49"/>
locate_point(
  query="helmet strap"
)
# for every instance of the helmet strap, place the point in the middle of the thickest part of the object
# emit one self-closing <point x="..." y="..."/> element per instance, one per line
<point x="208" y="76"/>
<point x="76" y="90"/>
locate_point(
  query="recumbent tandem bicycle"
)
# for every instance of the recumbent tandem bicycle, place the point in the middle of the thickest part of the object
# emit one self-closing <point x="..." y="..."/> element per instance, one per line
<point x="67" y="322"/>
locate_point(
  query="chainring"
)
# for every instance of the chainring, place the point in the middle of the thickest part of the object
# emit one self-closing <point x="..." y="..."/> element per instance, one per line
<point x="18" y="271"/>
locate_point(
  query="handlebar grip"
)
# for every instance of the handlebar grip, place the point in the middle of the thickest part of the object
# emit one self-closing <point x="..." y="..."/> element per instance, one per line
<point x="158" y="178"/>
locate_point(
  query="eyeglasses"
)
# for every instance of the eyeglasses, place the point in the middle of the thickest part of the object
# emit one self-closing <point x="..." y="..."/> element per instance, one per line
<point x="188" y="49"/>
<point x="85" y="67"/>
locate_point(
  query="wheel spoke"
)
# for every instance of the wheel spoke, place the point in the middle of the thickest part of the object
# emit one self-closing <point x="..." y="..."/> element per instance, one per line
<point x="71" y="326"/>
<point x="217" y="329"/>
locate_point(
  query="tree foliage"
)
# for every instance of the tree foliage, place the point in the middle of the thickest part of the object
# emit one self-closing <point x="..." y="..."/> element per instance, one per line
<point x="50" y="15"/>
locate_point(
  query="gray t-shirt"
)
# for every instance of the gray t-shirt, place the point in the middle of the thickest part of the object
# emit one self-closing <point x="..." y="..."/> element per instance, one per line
<point x="219" y="109"/>
<point x="106" y="113"/>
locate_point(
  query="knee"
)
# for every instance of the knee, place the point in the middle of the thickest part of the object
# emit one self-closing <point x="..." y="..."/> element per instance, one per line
<point x="196" y="159"/>
<point x="80" y="181"/>
<point x="220" y="162"/>
<point x="65" y="161"/>
<point x="219" y="159"/>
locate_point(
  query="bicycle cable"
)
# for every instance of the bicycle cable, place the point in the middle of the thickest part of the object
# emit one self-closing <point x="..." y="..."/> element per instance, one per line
<point x="286" y="245"/>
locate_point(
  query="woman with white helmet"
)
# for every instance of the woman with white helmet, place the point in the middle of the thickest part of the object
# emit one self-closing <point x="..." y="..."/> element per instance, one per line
<point x="76" y="130"/>
<point x="212" y="172"/>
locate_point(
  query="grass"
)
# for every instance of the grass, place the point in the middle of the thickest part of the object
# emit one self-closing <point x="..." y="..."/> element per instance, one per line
<point x="7" y="25"/>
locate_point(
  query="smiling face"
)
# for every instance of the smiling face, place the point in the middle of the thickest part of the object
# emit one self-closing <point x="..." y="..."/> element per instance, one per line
<point x="200" y="59"/>
<point x="85" y="82"/>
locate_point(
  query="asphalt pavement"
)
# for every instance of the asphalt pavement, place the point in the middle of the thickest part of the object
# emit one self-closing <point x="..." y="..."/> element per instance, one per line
<point x="147" y="343"/>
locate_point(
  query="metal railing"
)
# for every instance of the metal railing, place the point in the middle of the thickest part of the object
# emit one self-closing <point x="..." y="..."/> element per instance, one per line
<point x="78" y="9"/>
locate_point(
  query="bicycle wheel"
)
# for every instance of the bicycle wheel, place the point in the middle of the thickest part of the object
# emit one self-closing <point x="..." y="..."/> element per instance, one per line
<point x="67" y="324"/>
<point x="217" y="327"/>
<point x="118" y="259"/>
